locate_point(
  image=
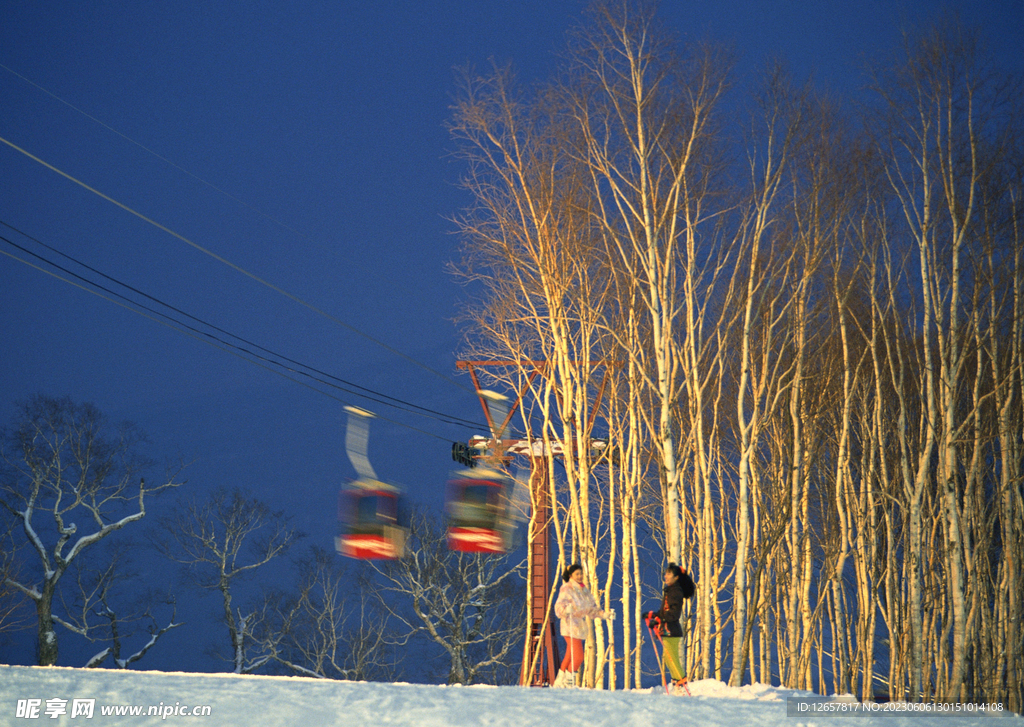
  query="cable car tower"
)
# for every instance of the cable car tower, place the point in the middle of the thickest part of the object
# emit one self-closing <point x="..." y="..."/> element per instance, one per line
<point x="542" y="628"/>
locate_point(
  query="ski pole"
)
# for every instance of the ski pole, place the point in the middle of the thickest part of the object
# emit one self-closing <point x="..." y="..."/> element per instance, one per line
<point x="655" y="638"/>
<point x="682" y="683"/>
<point x="572" y="658"/>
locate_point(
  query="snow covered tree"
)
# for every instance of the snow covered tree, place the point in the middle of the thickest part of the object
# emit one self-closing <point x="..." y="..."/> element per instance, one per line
<point x="98" y="612"/>
<point x="466" y="603"/>
<point x="66" y="470"/>
<point x="221" y="542"/>
<point x="318" y="630"/>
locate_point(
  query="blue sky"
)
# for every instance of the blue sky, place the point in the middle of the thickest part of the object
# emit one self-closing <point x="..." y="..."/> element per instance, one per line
<point x="305" y="143"/>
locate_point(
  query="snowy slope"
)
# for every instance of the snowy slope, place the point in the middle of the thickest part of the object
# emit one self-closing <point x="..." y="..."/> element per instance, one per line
<point x="256" y="700"/>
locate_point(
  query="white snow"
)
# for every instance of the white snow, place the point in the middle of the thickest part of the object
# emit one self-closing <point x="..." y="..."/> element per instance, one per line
<point x="261" y="700"/>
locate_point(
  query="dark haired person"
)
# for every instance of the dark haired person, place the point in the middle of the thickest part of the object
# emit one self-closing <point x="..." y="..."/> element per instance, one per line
<point x="678" y="587"/>
<point x="574" y="606"/>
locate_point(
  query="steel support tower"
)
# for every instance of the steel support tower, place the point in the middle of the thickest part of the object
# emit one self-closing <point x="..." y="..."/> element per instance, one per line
<point x="540" y="652"/>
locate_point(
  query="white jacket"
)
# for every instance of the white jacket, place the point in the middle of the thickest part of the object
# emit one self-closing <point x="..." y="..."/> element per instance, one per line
<point x="575" y="604"/>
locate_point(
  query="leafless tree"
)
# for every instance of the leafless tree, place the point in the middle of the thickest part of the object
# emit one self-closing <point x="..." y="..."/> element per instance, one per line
<point x="222" y="541"/>
<point x="115" y="627"/>
<point x="817" y="373"/>
<point x="98" y="610"/>
<point x="11" y="617"/>
<point x="66" y="468"/>
<point x="946" y="134"/>
<point x="595" y="185"/>
<point x="645" y="124"/>
<point x="331" y="626"/>
<point x="530" y="242"/>
<point x="469" y="604"/>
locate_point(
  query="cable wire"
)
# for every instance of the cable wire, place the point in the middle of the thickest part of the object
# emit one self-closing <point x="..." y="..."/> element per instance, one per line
<point x="364" y="392"/>
<point x="220" y="343"/>
<point x="162" y="158"/>
<point x="230" y="264"/>
<point x="215" y="345"/>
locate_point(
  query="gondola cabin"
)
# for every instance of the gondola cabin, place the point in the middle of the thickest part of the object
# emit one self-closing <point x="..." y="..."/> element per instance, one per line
<point x="369" y="513"/>
<point x="478" y="516"/>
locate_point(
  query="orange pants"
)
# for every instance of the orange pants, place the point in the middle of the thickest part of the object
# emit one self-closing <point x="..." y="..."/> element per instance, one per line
<point x="573" y="654"/>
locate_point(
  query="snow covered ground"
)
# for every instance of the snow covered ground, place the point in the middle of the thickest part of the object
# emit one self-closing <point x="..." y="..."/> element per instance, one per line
<point x="31" y="695"/>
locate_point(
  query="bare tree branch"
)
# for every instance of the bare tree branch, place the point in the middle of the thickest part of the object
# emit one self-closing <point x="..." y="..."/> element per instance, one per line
<point x="466" y="603"/>
<point x="221" y="541"/>
<point x="64" y="460"/>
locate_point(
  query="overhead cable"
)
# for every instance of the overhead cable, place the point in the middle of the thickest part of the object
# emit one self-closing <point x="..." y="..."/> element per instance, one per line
<point x="230" y="264"/>
<point x="207" y="341"/>
<point x="305" y="370"/>
<point x="364" y="392"/>
<point x="162" y="158"/>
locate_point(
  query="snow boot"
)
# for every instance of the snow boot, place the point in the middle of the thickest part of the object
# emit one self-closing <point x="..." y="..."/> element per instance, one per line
<point x="564" y="680"/>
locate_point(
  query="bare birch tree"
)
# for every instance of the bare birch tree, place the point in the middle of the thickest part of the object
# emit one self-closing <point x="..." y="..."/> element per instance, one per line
<point x="530" y="242"/>
<point x="645" y="127"/>
<point x="945" y="131"/>
<point x="817" y="376"/>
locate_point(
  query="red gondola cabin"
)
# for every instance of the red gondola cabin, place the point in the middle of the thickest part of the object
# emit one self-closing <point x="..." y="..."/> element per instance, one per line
<point x="369" y="512"/>
<point x="478" y="504"/>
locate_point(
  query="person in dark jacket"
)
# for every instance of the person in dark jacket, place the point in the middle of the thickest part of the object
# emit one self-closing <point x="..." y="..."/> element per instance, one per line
<point x="678" y="587"/>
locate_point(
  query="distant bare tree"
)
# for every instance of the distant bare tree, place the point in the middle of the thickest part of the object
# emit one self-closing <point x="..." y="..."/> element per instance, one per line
<point x="466" y="603"/>
<point x="10" y="600"/>
<point x="97" y="613"/>
<point x="221" y="542"/>
<point x="66" y="467"/>
<point x="319" y="631"/>
<point x="116" y="635"/>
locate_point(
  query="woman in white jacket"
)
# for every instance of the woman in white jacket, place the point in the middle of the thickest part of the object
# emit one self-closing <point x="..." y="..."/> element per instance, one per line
<point x="575" y="606"/>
